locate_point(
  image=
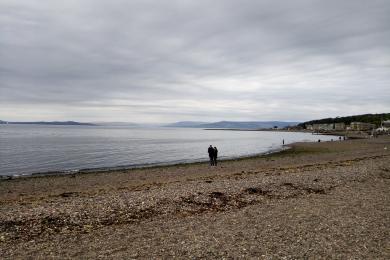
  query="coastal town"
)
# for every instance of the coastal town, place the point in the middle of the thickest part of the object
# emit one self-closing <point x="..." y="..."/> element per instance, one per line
<point x="352" y="127"/>
<point x="357" y="126"/>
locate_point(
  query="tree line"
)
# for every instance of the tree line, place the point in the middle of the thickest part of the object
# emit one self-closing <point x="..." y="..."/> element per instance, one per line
<point x="366" y="118"/>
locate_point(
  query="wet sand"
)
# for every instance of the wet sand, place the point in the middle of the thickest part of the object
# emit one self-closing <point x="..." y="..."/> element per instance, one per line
<point x="316" y="200"/>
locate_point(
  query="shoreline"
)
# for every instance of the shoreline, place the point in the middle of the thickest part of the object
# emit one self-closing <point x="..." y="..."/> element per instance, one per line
<point x="314" y="200"/>
<point x="142" y="166"/>
<point x="347" y="133"/>
<point x="85" y="170"/>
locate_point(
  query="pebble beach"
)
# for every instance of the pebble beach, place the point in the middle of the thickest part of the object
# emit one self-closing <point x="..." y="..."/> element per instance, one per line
<point x="328" y="200"/>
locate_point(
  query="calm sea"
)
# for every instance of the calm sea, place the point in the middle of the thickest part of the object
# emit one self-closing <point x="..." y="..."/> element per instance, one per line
<point x="28" y="149"/>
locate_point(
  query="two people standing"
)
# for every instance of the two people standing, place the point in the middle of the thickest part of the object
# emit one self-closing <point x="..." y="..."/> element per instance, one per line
<point x="213" y="155"/>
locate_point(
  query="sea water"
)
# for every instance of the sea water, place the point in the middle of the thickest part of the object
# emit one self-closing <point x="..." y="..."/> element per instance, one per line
<point x="30" y="149"/>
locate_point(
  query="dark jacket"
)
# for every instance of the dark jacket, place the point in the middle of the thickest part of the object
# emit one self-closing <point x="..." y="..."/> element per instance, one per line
<point x="215" y="152"/>
<point x="211" y="151"/>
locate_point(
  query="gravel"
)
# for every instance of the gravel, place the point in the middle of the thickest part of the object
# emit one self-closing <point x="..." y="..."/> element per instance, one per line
<point x="316" y="200"/>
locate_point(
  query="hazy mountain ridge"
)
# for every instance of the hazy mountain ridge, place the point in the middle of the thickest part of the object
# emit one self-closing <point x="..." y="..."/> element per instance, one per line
<point x="47" y="123"/>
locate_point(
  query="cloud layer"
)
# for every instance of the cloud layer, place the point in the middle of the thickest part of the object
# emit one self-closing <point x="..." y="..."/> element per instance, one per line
<point x="164" y="61"/>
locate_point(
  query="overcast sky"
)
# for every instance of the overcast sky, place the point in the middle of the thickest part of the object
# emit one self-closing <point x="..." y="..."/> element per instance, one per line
<point x="166" y="61"/>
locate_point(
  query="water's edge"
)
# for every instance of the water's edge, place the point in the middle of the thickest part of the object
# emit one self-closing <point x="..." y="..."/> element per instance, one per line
<point x="140" y="166"/>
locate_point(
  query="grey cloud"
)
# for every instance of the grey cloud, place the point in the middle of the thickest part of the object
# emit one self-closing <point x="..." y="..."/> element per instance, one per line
<point x="194" y="60"/>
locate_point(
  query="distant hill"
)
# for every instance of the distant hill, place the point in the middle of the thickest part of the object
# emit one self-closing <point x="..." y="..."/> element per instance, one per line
<point x="366" y="118"/>
<point x="235" y="124"/>
<point x="47" y="123"/>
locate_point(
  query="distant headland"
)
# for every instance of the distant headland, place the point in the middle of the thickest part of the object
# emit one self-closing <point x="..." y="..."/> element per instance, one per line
<point x="47" y="123"/>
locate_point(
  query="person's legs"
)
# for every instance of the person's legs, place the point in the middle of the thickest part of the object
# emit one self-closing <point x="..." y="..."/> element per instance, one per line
<point x="211" y="161"/>
<point x="215" y="161"/>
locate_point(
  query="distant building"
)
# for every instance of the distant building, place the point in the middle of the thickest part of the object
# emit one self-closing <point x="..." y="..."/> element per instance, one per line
<point x="323" y="127"/>
<point x="339" y="126"/>
<point x="326" y="127"/>
<point x="309" y="127"/>
<point x="360" y="126"/>
<point x="386" y="123"/>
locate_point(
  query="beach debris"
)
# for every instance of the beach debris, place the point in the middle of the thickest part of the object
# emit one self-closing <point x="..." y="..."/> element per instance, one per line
<point x="257" y="191"/>
<point x="67" y="194"/>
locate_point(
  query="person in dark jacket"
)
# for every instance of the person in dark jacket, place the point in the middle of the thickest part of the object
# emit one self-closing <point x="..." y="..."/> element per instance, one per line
<point x="215" y="155"/>
<point x="211" y="155"/>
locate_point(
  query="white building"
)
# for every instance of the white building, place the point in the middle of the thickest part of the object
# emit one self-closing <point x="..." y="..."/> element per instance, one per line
<point x="360" y="126"/>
